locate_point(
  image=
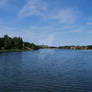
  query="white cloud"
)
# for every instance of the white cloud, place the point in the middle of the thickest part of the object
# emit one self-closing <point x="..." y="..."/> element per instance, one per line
<point x="67" y="16"/>
<point x="64" y="16"/>
<point x="8" y="30"/>
<point x="69" y="26"/>
<point x="41" y="8"/>
<point x="89" y="23"/>
<point x="39" y="35"/>
<point x="33" y="7"/>
<point x="2" y="3"/>
<point x="49" y="40"/>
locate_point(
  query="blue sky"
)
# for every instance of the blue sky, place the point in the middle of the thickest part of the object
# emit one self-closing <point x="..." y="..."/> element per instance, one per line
<point x="50" y="22"/>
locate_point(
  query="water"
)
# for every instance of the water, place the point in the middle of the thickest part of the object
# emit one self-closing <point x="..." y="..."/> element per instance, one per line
<point x="46" y="71"/>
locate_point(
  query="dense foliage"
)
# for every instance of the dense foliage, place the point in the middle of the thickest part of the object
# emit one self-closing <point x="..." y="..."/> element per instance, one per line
<point x="89" y="47"/>
<point x="7" y="43"/>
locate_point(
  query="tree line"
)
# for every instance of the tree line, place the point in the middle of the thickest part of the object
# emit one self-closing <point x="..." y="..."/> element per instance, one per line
<point x="7" y="43"/>
<point x="17" y="43"/>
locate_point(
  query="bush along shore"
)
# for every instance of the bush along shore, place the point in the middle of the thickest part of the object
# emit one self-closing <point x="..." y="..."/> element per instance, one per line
<point x="8" y="44"/>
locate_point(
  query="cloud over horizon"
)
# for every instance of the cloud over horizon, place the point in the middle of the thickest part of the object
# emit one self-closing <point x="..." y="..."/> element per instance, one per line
<point x="41" y="8"/>
<point x="51" y="22"/>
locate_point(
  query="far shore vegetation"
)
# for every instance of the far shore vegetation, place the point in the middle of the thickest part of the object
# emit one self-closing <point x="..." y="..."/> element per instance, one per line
<point x="73" y="47"/>
<point x="16" y="44"/>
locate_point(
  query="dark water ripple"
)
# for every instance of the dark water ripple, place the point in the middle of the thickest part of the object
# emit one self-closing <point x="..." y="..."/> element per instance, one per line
<point x="46" y="71"/>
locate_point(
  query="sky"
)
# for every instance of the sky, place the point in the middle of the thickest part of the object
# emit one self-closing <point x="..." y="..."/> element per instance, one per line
<point x="48" y="22"/>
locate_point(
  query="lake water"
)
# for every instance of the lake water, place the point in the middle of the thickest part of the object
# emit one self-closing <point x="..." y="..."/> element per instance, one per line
<point x="46" y="71"/>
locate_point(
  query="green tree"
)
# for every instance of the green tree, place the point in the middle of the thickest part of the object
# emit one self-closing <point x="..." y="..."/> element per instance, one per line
<point x="18" y="42"/>
<point x="1" y="42"/>
<point x="7" y="42"/>
<point x="33" y="46"/>
<point x="89" y="47"/>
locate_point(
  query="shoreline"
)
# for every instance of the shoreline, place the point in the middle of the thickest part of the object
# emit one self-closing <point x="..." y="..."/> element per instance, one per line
<point x="15" y="50"/>
<point x="22" y="50"/>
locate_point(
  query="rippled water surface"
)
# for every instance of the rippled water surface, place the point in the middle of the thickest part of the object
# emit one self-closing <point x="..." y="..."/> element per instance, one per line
<point x="46" y="71"/>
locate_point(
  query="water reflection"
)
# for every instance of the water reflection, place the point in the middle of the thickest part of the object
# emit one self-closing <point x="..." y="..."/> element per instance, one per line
<point x="10" y="71"/>
<point x="46" y="71"/>
<point x="45" y="53"/>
